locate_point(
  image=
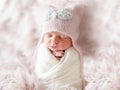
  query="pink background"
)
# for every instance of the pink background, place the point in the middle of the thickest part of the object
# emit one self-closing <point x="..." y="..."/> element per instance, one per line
<point x="99" y="39"/>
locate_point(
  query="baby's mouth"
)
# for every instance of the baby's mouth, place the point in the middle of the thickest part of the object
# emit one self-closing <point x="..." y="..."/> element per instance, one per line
<point x="59" y="53"/>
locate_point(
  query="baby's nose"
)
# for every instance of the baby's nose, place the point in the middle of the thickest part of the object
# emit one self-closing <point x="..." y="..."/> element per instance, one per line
<point x="55" y="40"/>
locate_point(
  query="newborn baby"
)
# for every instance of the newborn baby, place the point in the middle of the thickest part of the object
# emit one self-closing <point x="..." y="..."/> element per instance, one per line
<point x="58" y="55"/>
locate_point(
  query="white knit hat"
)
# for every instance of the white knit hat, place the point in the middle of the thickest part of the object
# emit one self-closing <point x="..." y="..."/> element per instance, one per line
<point x="64" y="18"/>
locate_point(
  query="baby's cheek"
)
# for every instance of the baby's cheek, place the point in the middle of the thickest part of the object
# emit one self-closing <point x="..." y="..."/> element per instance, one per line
<point x="48" y="42"/>
<point x="62" y="46"/>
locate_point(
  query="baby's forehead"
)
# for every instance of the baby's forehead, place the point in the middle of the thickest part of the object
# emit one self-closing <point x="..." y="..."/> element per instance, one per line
<point x="56" y="33"/>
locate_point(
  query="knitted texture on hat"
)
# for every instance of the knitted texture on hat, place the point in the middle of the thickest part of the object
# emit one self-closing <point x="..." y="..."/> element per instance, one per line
<point x="65" y="19"/>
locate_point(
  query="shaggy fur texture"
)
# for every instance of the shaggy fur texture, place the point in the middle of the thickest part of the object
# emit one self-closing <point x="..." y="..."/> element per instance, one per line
<point x="20" y="31"/>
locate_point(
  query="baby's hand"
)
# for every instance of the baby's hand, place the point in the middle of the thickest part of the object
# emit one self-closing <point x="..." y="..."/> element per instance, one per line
<point x="58" y="54"/>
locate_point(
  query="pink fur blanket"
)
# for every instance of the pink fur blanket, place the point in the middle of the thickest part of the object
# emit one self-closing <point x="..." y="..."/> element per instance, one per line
<point x="99" y="40"/>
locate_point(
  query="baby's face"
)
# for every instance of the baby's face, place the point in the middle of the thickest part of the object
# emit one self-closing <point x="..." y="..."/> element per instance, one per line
<point x="56" y="41"/>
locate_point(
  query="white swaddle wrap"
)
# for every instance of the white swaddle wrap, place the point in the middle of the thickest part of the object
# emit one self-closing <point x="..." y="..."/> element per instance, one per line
<point x="63" y="73"/>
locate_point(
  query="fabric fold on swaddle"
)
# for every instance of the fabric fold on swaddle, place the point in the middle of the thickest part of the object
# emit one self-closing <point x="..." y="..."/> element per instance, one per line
<point x="63" y="73"/>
